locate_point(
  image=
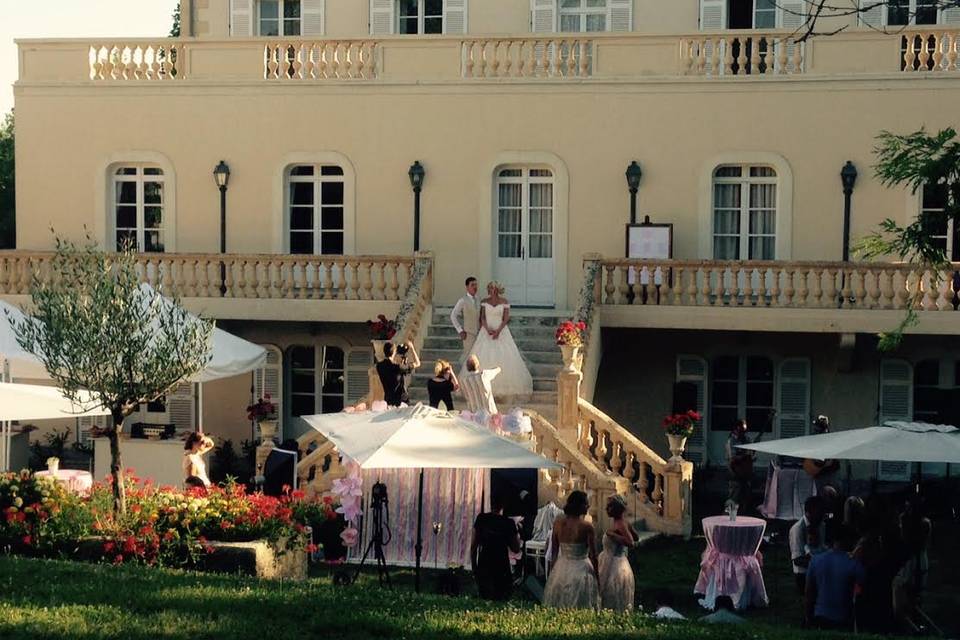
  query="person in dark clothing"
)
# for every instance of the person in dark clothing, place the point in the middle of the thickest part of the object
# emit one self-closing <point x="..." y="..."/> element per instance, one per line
<point x="441" y="386"/>
<point x="494" y="536"/>
<point x="396" y="364"/>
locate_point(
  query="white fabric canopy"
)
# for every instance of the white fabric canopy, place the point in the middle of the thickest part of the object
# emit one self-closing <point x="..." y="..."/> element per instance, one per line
<point x="22" y="363"/>
<point x="892" y="442"/>
<point x="421" y="437"/>
<point x="230" y="355"/>
<point x="33" y="402"/>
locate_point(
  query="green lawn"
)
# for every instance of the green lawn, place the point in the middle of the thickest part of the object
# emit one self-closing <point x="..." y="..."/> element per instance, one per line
<point x="41" y="599"/>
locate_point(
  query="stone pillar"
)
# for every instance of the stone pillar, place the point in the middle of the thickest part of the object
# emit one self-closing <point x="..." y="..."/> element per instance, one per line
<point x="568" y="410"/>
<point x="677" y="502"/>
<point x="263" y="452"/>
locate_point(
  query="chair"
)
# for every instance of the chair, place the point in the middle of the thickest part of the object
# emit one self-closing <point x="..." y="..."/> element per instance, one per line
<point x="538" y="546"/>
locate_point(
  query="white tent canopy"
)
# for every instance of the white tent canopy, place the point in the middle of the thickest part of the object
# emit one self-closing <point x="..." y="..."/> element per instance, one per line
<point x="893" y="442"/>
<point x="34" y="402"/>
<point x="421" y="437"/>
<point x="22" y="363"/>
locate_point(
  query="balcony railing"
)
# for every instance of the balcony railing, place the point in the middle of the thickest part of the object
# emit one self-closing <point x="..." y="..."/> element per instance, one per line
<point x="794" y="285"/>
<point x="265" y="277"/>
<point x="744" y="54"/>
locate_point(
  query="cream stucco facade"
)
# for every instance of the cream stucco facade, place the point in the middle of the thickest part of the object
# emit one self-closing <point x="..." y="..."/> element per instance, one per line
<point x="486" y="96"/>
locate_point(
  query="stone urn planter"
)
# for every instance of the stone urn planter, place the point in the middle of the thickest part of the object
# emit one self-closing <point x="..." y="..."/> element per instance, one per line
<point x="268" y="431"/>
<point x="571" y="357"/>
<point x="677" y="446"/>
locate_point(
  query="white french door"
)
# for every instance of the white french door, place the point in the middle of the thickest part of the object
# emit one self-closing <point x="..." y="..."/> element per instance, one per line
<point x="524" y="258"/>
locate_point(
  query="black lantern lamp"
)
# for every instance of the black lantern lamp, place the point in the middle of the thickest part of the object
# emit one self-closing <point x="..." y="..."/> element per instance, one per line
<point x="848" y="177"/>
<point x="416" y="173"/>
<point x="633" y="173"/>
<point x="221" y="175"/>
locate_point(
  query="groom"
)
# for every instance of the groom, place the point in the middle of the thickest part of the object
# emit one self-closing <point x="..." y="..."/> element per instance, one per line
<point x="467" y="309"/>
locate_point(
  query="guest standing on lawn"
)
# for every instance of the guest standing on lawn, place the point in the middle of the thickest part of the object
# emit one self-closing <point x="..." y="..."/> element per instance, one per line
<point x="832" y="579"/>
<point x="573" y="578"/>
<point x="617" y="582"/>
<point x="494" y="537"/>
<point x="194" y="467"/>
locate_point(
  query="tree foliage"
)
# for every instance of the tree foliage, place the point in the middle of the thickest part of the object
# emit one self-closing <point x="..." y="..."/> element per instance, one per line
<point x="8" y="234"/>
<point x="915" y="160"/>
<point x="175" y="27"/>
<point x="95" y="328"/>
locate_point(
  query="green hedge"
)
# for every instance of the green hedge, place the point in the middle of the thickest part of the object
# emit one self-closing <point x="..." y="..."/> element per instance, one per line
<point x="44" y="598"/>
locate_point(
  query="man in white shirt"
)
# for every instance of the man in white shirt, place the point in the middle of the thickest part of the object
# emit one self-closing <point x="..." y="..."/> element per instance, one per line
<point x="465" y="317"/>
<point x="476" y="388"/>
<point x="807" y="539"/>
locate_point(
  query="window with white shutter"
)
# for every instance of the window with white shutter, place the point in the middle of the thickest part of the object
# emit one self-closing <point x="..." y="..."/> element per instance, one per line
<point x="898" y="13"/>
<point x="793" y="398"/>
<point x="86" y="423"/>
<point x="454" y="16"/>
<point x="543" y="16"/>
<point x="314" y="17"/>
<point x="182" y="406"/>
<point x="713" y="15"/>
<point x="269" y="380"/>
<point x="359" y="361"/>
<point x="382" y="17"/>
<point x="896" y="403"/>
<point x="693" y="370"/>
<point x="241" y="18"/>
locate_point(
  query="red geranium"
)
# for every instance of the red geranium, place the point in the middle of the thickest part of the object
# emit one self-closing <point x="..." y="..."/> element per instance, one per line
<point x="570" y="333"/>
<point x="681" y="424"/>
<point x="382" y="328"/>
<point x="262" y="409"/>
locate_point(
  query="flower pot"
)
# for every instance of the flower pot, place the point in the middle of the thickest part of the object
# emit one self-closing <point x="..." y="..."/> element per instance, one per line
<point x="268" y="430"/>
<point x="677" y="445"/>
<point x="571" y="359"/>
<point x="378" y="349"/>
<point x="53" y="466"/>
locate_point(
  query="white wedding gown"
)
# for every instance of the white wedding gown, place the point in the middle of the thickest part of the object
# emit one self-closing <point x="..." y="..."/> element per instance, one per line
<point x="514" y="378"/>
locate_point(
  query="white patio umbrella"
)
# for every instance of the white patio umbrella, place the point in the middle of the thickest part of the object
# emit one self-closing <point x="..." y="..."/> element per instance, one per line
<point x="421" y="437"/>
<point x="892" y="442"/>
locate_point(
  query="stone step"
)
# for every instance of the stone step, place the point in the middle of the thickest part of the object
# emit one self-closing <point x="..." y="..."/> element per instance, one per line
<point x="537" y="370"/>
<point x="429" y="355"/>
<point x="524" y="343"/>
<point x="446" y="330"/>
<point x="441" y="317"/>
<point x="539" y="384"/>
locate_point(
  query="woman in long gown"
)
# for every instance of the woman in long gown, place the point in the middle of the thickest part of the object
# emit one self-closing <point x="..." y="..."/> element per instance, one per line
<point x="573" y="576"/>
<point x="495" y="346"/>
<point x="617" y="583"/>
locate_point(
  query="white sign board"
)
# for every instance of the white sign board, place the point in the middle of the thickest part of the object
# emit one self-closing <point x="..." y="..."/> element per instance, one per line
<point x="649" y="242"/>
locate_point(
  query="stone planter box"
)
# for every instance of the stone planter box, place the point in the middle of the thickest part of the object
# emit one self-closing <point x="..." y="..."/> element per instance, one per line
<point x="257" y="558"/>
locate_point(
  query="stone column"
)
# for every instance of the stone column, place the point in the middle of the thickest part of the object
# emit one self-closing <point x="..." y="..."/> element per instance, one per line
<point x="677" y="502"/>
<point x="263" y="452"/>
<point x="568" y="410"/>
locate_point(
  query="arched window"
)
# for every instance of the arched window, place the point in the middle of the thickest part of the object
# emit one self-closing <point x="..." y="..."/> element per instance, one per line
<point x="315" y="209"/>
<point x="138" y="207"/>
<point x="744" y="212"/>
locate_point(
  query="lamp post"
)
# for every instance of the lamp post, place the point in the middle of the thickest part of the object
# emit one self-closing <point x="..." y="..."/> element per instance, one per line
<point x="416" y="173"/>
<point x="221" y="174"/>
<point x="848" y="176"/>
<point x="633" y="174"/>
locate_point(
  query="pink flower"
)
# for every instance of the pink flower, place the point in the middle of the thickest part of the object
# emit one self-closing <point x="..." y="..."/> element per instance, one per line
<point x="349" y="486"/>
<point x="379" y="406"/>
<point x="349" y="507"/>
<point x="349" y="537"/>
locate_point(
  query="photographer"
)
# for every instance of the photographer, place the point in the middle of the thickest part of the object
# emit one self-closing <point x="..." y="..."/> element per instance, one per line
<point x="441" y="386"/>
<point x="397" y="363"/>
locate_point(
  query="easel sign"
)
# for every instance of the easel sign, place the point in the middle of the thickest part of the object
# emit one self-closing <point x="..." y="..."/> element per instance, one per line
<point x="649" y="241"/>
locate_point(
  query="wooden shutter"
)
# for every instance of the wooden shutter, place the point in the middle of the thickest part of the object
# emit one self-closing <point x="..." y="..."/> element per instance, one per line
<point x="454" y="16"/>
<point x="793" y="398"/>
<point x="269" y="379"/>
<point x="358" y="362"/>
<point x="182" y="406"/>
<point x="543" y="16"/>
<point x="620" y="15"/>
<point x="381" y="17"/>
<point x="85" y="423"/>
<point x="713" y="15"/>
<point x="241" y="18"/>
<point x="790" y="15"/>
<point x="896" y="403"/>
<point x="313" y="13"/>
<point x="948" y="15"/>
<point x="873" y="13"/>
<point x="693" y="370"/>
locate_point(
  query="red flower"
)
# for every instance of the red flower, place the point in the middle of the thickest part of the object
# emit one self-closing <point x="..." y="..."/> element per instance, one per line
<point x="108" y="547"/>
<point x="312" y="548"/>
<point x="118" y="559"/>
<point x="27" y="540"/>
<point x="130" y="545"/>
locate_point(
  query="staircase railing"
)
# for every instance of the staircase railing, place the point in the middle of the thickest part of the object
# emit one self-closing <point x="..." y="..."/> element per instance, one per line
<point x="588" y="312"/>
<point x="659" y="491"/>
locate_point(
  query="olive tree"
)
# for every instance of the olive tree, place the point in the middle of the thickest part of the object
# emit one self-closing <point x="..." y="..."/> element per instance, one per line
<point x="96" y="329"/>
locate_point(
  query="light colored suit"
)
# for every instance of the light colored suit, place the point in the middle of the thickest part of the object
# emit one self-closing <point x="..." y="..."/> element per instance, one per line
<point x="477" y="390"/>
<point x="465" y="317"/>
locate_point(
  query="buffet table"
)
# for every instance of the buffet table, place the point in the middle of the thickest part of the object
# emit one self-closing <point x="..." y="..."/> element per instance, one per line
<point x="75" y="480"/>
<point x="157" y="460"/>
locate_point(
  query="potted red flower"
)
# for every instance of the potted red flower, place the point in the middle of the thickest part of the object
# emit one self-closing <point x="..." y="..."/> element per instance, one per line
<point x="381" y="330"/>
<point x="570" y="338"/>
<point x="679" y="427"/>
<point x="264" y="413"/>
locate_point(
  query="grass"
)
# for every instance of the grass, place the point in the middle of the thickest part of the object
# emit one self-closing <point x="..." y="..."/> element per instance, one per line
<point x="43" y="598"/>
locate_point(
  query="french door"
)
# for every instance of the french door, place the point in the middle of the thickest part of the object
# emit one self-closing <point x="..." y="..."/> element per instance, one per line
<point x="524" y="261"/>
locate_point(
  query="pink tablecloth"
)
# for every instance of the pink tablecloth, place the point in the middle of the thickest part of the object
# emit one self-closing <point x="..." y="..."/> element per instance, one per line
<point x="731" y="563"/>
<point x="76" y="481"/>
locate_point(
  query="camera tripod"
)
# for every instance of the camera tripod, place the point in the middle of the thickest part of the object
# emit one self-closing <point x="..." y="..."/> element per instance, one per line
<point x="379" y="504"/>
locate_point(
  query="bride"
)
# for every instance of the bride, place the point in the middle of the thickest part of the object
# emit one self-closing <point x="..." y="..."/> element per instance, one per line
<point x="495" y="346"/>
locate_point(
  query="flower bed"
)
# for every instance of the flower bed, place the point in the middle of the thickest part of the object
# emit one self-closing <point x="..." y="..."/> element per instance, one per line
<point x="162" y="526"/>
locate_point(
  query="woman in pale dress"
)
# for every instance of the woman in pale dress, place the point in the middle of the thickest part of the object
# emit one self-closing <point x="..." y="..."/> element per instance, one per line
<point x="573" y="576"/>
<point x="495" y="346"/>
<point x="616" y="577"/>
<point x="194" y="467"/>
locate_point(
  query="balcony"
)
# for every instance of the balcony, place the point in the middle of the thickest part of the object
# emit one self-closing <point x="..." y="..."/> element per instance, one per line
<point x="746" y="55"/>
<point x="832" y="297"/>
<point x="255" y="287"/>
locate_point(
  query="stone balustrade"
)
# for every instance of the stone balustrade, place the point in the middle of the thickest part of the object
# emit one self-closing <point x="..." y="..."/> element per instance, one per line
<point x="753" y="53"/>
<point x="527" y="57"/>
<point x="156" y="60"/>
<point x="744" y="54"/>
<point x="771" y="284"/>
<point x="325" y="60"/>
<point x="257" y="276"/>
<point x="926" y="50"/>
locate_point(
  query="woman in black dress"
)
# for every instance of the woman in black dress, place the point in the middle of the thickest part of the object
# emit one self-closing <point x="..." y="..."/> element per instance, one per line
<point x="494" y="536"/>
<point x="442" y="385"/>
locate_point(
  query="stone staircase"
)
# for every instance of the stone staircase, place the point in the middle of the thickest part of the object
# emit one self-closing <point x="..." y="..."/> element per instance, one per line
<point x="533" y="331"/>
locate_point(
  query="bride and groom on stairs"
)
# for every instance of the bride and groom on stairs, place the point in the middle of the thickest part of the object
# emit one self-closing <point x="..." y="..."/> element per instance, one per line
<point x="491" y="362"/>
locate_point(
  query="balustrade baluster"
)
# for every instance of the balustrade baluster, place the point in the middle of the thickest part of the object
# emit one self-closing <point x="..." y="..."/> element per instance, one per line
<point x="623" y="291"/>
<point x="616" y="459"/>
<point x="393" y="282"/>
<point x="727" y="46"/>
<point x="860" y="300"/>
<point x="945" y="299"/>
<point x="678" y="289"/>
<point x="952" y="44"/>
<point x="846" y="292"/>
<point x="643" y="482"/>
<point x="657" y="487"/>
<point x="931" y="291"/>
<point x="742" y="55"/>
